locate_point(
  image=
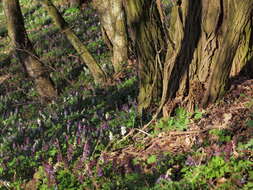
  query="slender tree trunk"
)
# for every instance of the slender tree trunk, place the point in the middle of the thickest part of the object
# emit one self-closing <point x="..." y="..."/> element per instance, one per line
<point x="98" y="74"/>
<point x="24" y="50"/>
<point x="149" y="39"/>
<point x="210" y="41"/>
<point x="113" y="23"/>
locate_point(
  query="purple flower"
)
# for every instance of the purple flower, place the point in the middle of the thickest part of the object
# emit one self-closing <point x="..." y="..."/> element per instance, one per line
<point x="104" y="158"/>
<point x="100" y="172"/>
<point x="16" y="110"/>
<point x="81" y="178"/>
<point x="125" y="108"/>
<point x="79" y="127"/>
<point x="104" y="126"/>
<point x="89" y="167"/>
<point x="65" y="112"/>
<point x="57" y="144"/>
<point x="45" y="147"/>
<point x="27" y="140"/>
<point x="68" y="125"/>
<point x="78" y="140"/>
<point x="190" y="161"/>
<point x="99" y="113"/>
<point x="70" y="152"/>
<point x="22" y="147"/>
<point x="25" y="147"/>
<point x="86" y="151"/>
<point x="163" y="177"/>
<point x="49" y="170"/>
<point x="67" y="138"/>
<point x="228" y="150"/>
<point x="79" y="164"/>
<point x="59" y="157"/>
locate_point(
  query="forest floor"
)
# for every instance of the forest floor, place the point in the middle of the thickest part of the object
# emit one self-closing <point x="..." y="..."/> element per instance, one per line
<point x="91" y="137"/>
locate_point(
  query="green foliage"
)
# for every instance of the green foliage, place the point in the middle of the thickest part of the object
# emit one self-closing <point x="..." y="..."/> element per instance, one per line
<point x="67" y="180"/>
<point x="181" y="185"/>
<point x="246" y="146"/>
<point x="222" y="135"/>
<point x="72" y="11"/>
<point x="179" y="122"/>
<point x="152" y="159"/>
<point x="250" y="123"/>
<point x="217" y="168"/>
<point x="61" y="145"/>
<point x="197" y="114"/>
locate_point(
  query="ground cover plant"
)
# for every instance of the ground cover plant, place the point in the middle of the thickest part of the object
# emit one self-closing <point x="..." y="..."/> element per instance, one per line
<point x="92" y="136"/>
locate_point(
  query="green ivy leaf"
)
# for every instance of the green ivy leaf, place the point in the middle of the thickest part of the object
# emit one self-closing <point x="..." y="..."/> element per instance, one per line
<point x="151" y="159"/>
<point x="135" y="161"/>
<point x="52" y="152"/>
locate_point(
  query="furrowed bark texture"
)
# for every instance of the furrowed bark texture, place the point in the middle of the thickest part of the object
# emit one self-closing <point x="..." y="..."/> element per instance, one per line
<point x="114" y="30"/>
<point x="24" y="50"/>
<point x="209" y="41"/>
<point x="148" y="36"/>
<point x="98" y="74"/>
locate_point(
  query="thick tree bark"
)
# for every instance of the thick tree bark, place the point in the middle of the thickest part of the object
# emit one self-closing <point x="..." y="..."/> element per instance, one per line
<point x="24" y="50"/>
<point x="77" y="3"/>
<point x="98" y="74"/>
<point x="113" y="23"/>
<point x="149" y="39"/>
<point x="210" y="41"/>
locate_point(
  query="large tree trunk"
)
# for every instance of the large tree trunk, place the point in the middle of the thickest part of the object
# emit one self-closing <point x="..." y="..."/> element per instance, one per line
<point x="98" y="74"/>
<point x="210" y="41"/>
<point x="24" y="50"/>
<point x="149" y="39"/>
<point x="113" y="23"/>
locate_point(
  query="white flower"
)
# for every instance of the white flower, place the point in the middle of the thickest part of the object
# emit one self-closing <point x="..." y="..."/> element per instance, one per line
<point x="123" y="130"/>
<point x="107" y="115"/>
<point x="111" y="136"/>
<point x="39" y="122"/>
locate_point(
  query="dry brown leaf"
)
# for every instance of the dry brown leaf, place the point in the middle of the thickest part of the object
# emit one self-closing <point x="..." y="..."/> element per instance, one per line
<point x="4" y="77"/>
